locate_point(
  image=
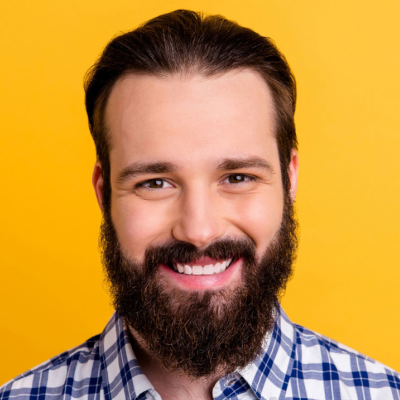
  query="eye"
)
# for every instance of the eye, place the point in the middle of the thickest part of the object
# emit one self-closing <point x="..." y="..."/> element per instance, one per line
<point x="154" y="184"/>
<point x="239" y="178"/>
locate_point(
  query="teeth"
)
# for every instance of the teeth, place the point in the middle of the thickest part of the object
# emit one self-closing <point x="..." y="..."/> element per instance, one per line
<point x="187" y="270"/>
<point x="217" y="268"/>
<point x="197" y="270"/>
<point x="209" y="269"/>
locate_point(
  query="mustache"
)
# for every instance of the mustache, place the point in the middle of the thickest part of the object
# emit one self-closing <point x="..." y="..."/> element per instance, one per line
<point x="185" y="253"/>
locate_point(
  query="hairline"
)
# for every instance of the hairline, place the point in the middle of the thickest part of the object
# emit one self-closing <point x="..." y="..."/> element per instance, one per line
<point x="186" y="73"/>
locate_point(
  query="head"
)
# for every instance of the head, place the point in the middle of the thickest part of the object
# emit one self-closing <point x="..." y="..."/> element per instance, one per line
<point x="196" y="172"/>
<point x="186" y="43"/>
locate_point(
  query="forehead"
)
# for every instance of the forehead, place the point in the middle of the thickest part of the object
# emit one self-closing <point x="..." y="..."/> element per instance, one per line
<point x="200" y="118"/>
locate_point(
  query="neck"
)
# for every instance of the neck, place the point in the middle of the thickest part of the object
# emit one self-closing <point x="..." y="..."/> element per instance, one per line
<point x="171" y="385"/>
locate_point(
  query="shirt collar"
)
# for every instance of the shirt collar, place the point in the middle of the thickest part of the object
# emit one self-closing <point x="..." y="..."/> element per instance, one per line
<point x="122" y="377"/>
<point x="268" y="375"/>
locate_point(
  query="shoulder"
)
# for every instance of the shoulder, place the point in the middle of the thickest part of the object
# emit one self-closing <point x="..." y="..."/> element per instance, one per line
<point x="329" y="363"/>
<point x="315" y="347"/>
<point x="58" y="375"/>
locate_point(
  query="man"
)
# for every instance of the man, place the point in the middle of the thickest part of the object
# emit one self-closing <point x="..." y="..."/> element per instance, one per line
<point x="196" y="176"/>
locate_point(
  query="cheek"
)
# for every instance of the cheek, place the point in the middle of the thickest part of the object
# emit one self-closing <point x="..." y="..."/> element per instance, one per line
<point x="259" y="217"/>
<point x="138" y="224"/>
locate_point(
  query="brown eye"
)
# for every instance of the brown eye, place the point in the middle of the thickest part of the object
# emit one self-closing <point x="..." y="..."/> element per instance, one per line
<point x="155" y="184"/>
<point x="237" y="178"/>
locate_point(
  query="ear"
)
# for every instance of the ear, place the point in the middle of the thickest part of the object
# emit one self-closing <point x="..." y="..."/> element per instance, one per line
<point x="97" y="182"/>
<point x="293" y="173"/>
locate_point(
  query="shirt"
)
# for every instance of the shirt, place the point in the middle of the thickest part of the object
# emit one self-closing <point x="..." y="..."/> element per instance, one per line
<point x="295" y="364"/>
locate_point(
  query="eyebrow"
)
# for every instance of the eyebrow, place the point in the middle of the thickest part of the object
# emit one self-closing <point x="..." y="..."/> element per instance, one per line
<point x="136" y="169"/>
<point x="229" y="164"/>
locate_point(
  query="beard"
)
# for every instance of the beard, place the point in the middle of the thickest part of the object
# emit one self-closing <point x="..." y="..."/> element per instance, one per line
<point x="198" y="333"/>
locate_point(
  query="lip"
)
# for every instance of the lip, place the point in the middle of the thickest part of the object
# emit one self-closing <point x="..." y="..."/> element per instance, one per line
<point x="202" y="282"/>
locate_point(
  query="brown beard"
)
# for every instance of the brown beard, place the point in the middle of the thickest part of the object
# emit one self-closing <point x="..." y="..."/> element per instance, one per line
<point x="198" y="333"/>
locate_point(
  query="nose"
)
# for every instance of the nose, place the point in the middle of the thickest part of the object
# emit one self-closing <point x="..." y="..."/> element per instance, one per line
<point x="199" y="218"/>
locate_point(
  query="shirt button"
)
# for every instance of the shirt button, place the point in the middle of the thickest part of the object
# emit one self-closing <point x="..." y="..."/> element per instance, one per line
<point x="231" y="379"/>
<point x="229" y="383"/>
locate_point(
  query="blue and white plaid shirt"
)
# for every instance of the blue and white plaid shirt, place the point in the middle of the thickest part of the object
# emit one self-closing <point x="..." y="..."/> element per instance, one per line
<point x="296" y="364"/>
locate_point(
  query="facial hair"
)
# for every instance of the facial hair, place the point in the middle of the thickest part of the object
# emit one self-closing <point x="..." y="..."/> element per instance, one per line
<point x="202" y="332"/>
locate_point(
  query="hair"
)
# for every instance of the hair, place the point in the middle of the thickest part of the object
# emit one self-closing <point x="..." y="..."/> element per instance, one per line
<point x="187" y="42"/>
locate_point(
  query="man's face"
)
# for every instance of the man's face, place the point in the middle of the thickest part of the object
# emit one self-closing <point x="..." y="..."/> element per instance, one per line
<point x="194" y="160"/>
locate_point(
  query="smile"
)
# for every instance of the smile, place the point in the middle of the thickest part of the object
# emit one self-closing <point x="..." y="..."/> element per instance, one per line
<point x="209" y="269"/>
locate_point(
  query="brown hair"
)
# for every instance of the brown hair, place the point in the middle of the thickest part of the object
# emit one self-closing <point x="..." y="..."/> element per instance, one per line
<point x="186" y="42"/>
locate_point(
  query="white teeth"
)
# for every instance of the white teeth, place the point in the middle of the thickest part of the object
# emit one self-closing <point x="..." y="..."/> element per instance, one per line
<point x="197" y="270"/>
<point x="209" y="269"/>
<point x="187" y="270"/>
<point x="217" y="268"/>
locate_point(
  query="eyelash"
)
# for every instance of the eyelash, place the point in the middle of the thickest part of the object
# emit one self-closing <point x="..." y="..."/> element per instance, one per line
<point x="250" y="178"/>
<point x="143" y="184"/>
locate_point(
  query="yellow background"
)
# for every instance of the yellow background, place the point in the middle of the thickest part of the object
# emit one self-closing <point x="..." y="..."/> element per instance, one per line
<point x="345" y="56"/>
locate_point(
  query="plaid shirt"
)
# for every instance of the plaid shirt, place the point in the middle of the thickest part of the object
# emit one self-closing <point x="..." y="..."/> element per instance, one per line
<point x="296" y="364"/>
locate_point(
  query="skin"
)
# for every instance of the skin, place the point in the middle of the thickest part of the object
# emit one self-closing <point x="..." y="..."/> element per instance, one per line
<point x="194" y="124"/>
